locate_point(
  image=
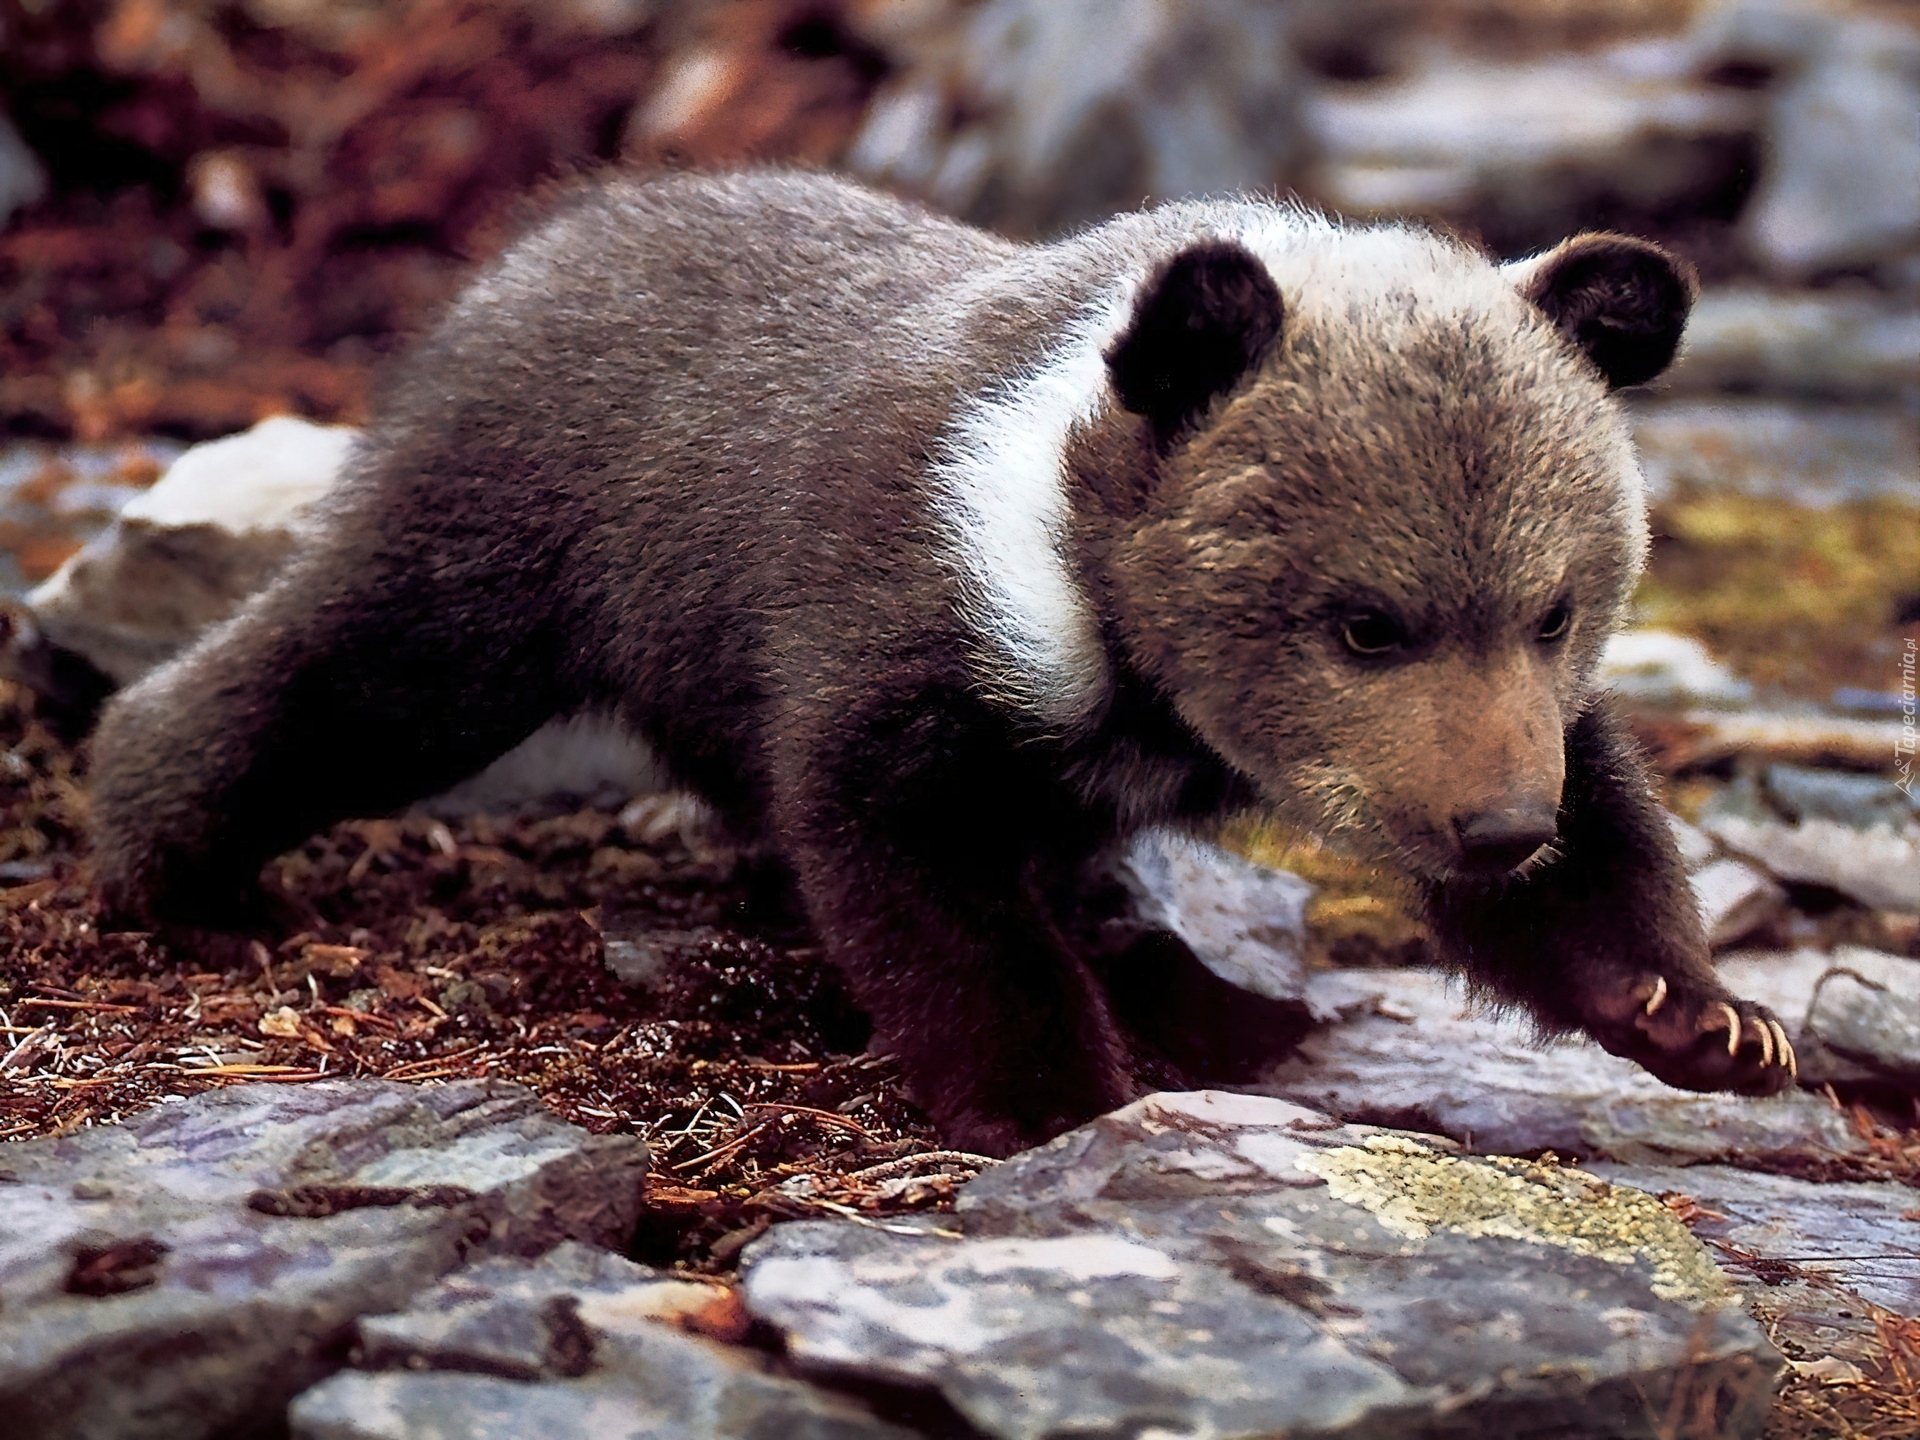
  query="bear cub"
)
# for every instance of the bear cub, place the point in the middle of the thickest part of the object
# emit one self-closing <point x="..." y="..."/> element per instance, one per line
<point x="943" y="564"/>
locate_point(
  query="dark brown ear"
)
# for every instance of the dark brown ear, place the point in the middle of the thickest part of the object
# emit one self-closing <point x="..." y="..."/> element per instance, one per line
<point x="1202" y="321"/>
<point x="1623" y="301"/>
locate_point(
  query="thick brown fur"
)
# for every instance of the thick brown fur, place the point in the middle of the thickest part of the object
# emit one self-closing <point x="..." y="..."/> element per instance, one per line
<point x="1343" y="518"/>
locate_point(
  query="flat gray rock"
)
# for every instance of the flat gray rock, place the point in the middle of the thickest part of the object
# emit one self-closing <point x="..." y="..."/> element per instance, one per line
<point x="609" y="1405"/>
<point x="1879" y="867"/>
<point x="1864" y="802"/>
<point x="1807" y="453"/>
<point x="1244" y="922"/>
<point x="1405" y="1047"/>
<point x="541" y="1318"/>
<point x="1852" y="1012"/>
<point x="1871" y="1023"/>
<point x="181" y="556"/>
<point x="1661" y="669"/>
<point x="1805" y="737"/>
<point x="184" y="1274"/>
<point x="1856" y="1235"/>
<point x="578" y="1343"/>
<point x="1735" y="900"/>
<point x="1798" y="343"/>
<point x="1211" y="1264"/>
<point x="1529" y="138"/>
<point x="1840" y="178"/>
<point x="1858" y="834"/>
<point x="1031" y="116"/>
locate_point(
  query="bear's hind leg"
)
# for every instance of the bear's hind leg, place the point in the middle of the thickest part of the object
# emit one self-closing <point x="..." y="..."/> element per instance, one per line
<point x="349" y="687"/>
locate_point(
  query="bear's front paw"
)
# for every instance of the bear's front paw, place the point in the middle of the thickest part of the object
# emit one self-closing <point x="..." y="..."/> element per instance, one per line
<point x="1695" y="1035"/>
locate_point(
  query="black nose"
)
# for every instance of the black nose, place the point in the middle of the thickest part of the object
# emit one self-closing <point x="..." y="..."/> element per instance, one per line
<point x="1495" y="841"/>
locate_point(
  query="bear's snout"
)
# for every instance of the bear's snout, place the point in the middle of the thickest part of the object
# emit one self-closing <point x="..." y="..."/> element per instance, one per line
<point x="1487" y="789"/>
<point x="1497" y="840"/>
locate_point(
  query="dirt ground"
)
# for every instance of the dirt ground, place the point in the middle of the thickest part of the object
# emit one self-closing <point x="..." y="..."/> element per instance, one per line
<point x="478" y="949"/>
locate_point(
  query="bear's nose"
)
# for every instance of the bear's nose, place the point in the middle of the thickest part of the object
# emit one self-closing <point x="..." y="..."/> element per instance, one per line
<point x="1495" y="841"/>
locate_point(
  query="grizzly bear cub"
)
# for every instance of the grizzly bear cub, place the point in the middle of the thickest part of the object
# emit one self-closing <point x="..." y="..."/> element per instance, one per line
<point x="942" y="564"/>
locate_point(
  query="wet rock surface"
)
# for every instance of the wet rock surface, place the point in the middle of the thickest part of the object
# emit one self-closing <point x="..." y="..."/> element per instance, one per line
<point x="578" y="1342"/>
<point x="1207" y="1263"/>
<point x="187" y="1272"/>
<point x="1405" y="1047"/>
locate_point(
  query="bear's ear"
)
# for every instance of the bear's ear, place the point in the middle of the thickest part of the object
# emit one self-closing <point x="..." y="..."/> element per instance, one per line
<point x="1203" y="319"/>
<point x="1623" y="301"/>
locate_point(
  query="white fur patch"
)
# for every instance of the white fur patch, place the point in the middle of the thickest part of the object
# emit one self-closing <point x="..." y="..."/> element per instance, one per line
<point x="1001" y="494"/>
<point x="1000" y="491"/>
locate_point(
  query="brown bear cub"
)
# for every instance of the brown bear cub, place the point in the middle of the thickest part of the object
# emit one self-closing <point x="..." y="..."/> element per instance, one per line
<point x="942" y="564"/>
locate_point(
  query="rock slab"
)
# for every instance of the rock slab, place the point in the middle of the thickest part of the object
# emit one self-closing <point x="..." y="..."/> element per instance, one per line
<point x="181" y="556"/>
<point x="1407" y="1048"/>
<point x="186" y="1273"/>
<point x="1230" y="1265"/>
<point x="1032" y="116"/>
<point x="1244" y="922"/>
<point x="1854" y="1013"/>
<point x="579" y="1342"/>
<point x="1861" y="1234"/>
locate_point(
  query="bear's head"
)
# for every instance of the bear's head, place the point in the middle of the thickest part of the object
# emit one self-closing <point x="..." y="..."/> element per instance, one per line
<point x="1377" y="514"/>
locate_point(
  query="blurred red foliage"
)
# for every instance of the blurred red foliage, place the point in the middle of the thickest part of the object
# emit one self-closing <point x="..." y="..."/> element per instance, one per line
<point x="253" y="201"/>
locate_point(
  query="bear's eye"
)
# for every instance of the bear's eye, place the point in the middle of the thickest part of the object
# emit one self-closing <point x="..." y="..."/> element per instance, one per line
<point x="1373" y="633"/>
<point x="1554" y="625"/>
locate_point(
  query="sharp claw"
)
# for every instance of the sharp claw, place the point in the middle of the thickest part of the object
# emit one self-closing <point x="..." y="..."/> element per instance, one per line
<point x="1766" y="1041"/>
<point x="1733" y="1028"/>
<point x="1659" y="996"/>
<point x="1787" y="1057"/>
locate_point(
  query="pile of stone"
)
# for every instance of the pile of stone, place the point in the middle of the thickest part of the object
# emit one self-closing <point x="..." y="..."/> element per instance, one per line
<point x="1033" y="117"/>
<point x="370" y="1261"/>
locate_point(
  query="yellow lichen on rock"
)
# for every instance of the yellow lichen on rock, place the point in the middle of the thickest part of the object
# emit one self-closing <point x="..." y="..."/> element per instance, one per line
<point x="1414" y="1191"/>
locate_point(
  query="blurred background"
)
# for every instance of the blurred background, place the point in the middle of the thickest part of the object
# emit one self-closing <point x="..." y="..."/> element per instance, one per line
<point x="217" y="211"/>
<point x="212" y="211"/>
